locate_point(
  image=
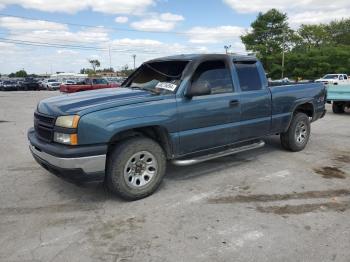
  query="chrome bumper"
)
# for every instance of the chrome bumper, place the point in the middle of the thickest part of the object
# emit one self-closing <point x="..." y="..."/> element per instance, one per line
<point x="89" y="164"/>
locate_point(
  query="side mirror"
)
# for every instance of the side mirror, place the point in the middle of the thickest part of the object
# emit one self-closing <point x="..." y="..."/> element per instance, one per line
<point x="198" y="89"/>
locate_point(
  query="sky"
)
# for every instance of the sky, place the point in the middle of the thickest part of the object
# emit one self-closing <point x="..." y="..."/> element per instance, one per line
<point x="48" y="36"/>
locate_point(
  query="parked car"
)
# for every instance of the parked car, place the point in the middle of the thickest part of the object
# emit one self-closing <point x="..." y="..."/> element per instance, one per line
<point x="30" y="84"/>
<point x="339" y="97"/>
<point x="51" y="84"/>
<point x="88" y="84"/>
<point x="334" y="79"/>
<point x="9" y="85"/>
<point x="69" y="82"/>
<point x="186" y="109"/>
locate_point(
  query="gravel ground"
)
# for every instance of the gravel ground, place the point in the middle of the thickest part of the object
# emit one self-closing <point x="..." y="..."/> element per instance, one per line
<point x="264" y="205"/>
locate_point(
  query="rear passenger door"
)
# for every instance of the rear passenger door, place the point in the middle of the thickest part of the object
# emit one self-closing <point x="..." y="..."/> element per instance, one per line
<point x="206" y="121"/>
<point x="255" y="99"/>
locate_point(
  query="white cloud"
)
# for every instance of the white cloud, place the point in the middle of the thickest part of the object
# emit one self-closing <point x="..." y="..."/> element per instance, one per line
<point x="171" y="17"/>
<point x="90" y="35"/>
<point x="7" y="48"/>
<point x="214" y="35"/>
<point x="121" y="19"/>
<point x="299" y="11"/>
<point x="158" y="22"/>
<point x="70" y="6"/>
<point x="19" y="24"/>
<point x="153" y="24"/>
<point x="66" y="51"/>
<point x="316" y="17"/>
<point x="153" y="46"/>
<point x="120" y="6"/>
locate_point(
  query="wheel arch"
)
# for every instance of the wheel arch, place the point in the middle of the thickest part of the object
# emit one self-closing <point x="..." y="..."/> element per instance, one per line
<point x="306" y="107"/>
<point x="158" y="133"/>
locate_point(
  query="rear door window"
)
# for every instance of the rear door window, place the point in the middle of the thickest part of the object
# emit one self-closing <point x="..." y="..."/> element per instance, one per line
<point x="248" y="76"/>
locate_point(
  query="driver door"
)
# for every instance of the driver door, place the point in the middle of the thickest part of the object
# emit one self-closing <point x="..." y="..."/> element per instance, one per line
<point x="205" y="121"/>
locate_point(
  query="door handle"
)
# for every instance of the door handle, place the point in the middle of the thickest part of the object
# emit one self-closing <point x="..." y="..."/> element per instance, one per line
<point x="234" y="103"/>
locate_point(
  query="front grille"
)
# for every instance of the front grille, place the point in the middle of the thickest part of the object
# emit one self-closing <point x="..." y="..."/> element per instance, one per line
<point x="44" y="125"/>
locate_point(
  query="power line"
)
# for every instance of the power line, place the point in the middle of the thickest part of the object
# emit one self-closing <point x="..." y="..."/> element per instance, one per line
<point x="98" y="27"/>
<point x="86" y="48"/>
<point x="109" y="43"/>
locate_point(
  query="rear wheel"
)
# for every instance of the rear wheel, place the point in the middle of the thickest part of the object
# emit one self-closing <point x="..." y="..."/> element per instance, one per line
<point x="135" y="168"/>
<point x="298" y="133"/>
<point x="338" y="108"/>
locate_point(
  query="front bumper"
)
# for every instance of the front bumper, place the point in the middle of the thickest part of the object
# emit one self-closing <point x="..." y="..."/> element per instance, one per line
<point x="80" y="165"/>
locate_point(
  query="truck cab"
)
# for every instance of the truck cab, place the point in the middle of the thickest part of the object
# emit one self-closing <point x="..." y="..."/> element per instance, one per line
<point x="334" y="79"/>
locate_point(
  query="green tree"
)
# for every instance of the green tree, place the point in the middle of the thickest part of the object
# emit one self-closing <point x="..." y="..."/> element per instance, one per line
<point x="313" y="36"/>
<point x="269" y="36"/>
<point x="339" y="32"/>
<point x="21" y="73"/>
<point x="94" y="63"/>
<point x="126" y="71"/>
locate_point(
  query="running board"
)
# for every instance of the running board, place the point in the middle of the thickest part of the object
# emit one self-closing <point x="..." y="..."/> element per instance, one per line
<point x="187" y="162"/>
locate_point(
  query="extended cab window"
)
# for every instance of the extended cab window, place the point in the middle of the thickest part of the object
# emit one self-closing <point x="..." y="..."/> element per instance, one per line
<point x="158" y="77"/>
<point x="248" y="75"/>
<point x="215" y="75"/>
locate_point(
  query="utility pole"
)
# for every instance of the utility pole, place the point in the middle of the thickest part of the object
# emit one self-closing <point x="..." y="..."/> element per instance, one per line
<point x="283" y="51"/>
<point x="134" y="56"/>
<point x="227" y="47"/>
<point x="110" y="58"/>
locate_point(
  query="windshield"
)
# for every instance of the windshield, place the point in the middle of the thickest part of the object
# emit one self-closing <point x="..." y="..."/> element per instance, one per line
<point x="51" y="80"/>
<point x="158" y="77"/>
<point x="330" y="77"/>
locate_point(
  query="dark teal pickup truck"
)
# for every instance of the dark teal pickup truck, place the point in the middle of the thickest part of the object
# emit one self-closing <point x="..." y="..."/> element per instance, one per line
<point x="186" y="109"/>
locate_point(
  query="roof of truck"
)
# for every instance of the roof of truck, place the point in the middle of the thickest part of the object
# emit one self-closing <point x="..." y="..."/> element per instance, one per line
<point x="192" y="57"/>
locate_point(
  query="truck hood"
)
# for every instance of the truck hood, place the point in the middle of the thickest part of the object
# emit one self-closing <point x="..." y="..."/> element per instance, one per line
<point x="88" y="101"/>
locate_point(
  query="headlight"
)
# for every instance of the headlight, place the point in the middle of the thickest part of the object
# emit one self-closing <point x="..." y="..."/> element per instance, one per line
<point x="68" y="139"/>
<point x="67" y="121"/>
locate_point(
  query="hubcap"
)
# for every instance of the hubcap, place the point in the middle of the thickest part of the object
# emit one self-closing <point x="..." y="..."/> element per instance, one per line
<point x="300" y="132"/>
<point x="140" y="169"/>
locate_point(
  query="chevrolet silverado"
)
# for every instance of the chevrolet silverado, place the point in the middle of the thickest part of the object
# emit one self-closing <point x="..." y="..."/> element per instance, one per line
<point x="185" y="109"/>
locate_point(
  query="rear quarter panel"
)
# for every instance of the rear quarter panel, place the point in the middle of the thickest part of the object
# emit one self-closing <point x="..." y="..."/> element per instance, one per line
<point x="285" y="99"/>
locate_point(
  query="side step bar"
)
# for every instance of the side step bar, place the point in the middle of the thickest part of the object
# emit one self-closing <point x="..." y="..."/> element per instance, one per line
<point x="187" y="162"/>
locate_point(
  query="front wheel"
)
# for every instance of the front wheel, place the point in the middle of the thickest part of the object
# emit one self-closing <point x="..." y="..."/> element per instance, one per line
<point x="298" y="133"/>
<point x="135" y="168"/>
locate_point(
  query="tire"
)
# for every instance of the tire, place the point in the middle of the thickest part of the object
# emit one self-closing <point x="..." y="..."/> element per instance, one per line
<point x="298" y="133"/>
<point x="338" y="108"/>
<point x="135" y="168"/>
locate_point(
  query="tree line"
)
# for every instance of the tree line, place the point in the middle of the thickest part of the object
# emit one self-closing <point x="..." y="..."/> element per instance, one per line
<point x="310" y="51"/>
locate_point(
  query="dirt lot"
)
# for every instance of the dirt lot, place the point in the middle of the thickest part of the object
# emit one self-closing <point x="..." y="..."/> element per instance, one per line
<point x="264" y="205"/>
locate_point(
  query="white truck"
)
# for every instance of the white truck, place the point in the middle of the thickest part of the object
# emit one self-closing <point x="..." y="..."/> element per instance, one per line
<point x="334" y="79"/>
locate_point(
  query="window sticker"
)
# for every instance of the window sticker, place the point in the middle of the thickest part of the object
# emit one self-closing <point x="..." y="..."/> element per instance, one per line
<point x="166" y="86"/>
